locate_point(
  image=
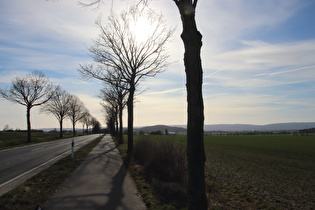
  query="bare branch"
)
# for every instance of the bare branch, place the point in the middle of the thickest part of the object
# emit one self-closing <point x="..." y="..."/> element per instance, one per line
<point x="33" y="90"/>
<point x="96" y="3"/>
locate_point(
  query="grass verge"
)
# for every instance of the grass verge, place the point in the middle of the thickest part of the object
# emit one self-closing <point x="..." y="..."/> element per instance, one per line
<point x="37" y="190"/>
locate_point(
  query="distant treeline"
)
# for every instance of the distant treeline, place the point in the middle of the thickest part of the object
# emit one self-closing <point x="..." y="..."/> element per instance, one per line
<point x="55" y="131"/>
<point x="309" y="130"/>
<point x="236" y="133"/>
<point x="23" y="131"/>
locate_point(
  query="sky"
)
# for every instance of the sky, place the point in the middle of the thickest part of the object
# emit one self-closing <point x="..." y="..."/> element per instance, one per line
<point x="258" y="60"/>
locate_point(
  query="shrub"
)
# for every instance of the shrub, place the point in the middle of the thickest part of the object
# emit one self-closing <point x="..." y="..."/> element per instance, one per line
<point x="163" y="160"/>
<point x="164" y="164"/>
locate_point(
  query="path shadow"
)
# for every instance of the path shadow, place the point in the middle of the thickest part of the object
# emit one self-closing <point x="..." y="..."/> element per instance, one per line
<point x="116" y="194"/>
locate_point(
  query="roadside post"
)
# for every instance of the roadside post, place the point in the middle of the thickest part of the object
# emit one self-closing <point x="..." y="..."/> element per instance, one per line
<point x="72" y="149"/>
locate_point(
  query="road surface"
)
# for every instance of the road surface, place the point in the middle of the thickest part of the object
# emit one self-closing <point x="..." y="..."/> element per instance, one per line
<point x="21" y="163"/>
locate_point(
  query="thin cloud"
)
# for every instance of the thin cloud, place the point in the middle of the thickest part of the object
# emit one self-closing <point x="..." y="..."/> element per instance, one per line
<point x="211" y="74"/>
<point x="264" y="59"/>
<point x="285" y="72"/>
<point x="293" y="70"/>
<point x="167" y="91"/>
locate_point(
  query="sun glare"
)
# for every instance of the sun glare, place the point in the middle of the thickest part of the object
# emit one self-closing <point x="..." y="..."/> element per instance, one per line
<point x="141" y="29"/>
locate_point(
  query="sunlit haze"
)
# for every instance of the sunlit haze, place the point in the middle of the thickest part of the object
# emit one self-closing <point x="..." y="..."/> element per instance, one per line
<point x="257" y="57"/>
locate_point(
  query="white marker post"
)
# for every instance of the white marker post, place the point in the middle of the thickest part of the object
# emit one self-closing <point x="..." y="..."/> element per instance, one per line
<point x="72" y="148"/>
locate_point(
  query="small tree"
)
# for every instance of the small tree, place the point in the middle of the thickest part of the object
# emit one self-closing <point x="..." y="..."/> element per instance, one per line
<point x="111" y="109"/>
<point x="58" y="106"/>
<point x="115" y="95"/>
<point x="76" y="111"/>
<point x="86" y="120"/>
<point x="110" y="117"/>
<point x="7" y="128"/>
<point x="96" y="125"/>
<point x="30" y="91"/>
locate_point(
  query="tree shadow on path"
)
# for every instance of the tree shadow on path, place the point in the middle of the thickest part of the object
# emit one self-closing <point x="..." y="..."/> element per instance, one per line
<point x="116" y="194"/>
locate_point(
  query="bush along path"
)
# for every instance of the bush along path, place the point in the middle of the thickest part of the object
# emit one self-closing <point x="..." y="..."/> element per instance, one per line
<point x="37" y="190"/>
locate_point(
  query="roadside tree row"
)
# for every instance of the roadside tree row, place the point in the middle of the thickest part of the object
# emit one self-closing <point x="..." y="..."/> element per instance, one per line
<point x="114" y="95"/>
<point x="123" y="57"/>
<point x="117" y="51"/>
<point x="36" y="90"/>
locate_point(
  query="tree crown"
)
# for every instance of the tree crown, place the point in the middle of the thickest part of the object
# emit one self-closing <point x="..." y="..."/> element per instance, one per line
<point x="33" y="90"/>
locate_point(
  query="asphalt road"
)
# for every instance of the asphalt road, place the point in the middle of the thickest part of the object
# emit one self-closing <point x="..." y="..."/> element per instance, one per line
<point x="17" y="162"/>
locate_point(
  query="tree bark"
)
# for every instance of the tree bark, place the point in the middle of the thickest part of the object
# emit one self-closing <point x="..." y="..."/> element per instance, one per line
<point x="60" y="123"/>
<point x="130" y="118"/>
<point x="73" y="128"/>
<point x="120" y="135"/>
<point x="28" y="117"/>
<point x="116" y="123"/>
<point x="195" y="142"/>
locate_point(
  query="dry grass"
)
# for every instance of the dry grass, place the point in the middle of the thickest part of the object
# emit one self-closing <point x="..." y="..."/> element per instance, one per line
<point x="162" y="159"/>
<point x="164" y="165"/>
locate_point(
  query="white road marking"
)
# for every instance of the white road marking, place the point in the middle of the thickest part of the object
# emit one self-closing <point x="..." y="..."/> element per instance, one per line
<point x="33" y="150"/>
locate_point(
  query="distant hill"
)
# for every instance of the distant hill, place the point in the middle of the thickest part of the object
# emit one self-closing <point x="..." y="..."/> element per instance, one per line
<point x="268" y="127"/>
<point x="149" y="129"/>
<point x="232" y="127"/>
<point x="181" y="129"/>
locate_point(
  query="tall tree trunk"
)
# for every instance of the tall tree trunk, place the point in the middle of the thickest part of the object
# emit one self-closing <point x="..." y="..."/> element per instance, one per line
<point x="73" y="128"/>
<point x="120" y="136"/>
<point x="195" y="142"/>
<point x="60" y="123"/>
<point x="112" y="126"/>
<point x="130" y="118"/>
<point x="28" y="118"/>
<point x="116" y="122"/>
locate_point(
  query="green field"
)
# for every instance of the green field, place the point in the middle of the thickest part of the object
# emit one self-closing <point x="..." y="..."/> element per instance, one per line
<point x="279" y="169"/>
<point x="11" y="139"/>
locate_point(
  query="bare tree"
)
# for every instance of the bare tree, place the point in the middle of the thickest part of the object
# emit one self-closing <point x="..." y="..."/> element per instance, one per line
<point x="30" y="91"/>
<point x="115" y="94"/>
<point x="86" y="120"/>
<point x="58" y="106"/>
<point x="76" y="111"/>
<point x="111" y="104"/>
<point x="118" y="49"/>
<point x="96" y="125"/>
<point x="110" y="117"/>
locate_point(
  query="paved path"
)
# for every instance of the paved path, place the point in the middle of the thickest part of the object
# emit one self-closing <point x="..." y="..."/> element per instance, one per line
<point x="100" y="182"/>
